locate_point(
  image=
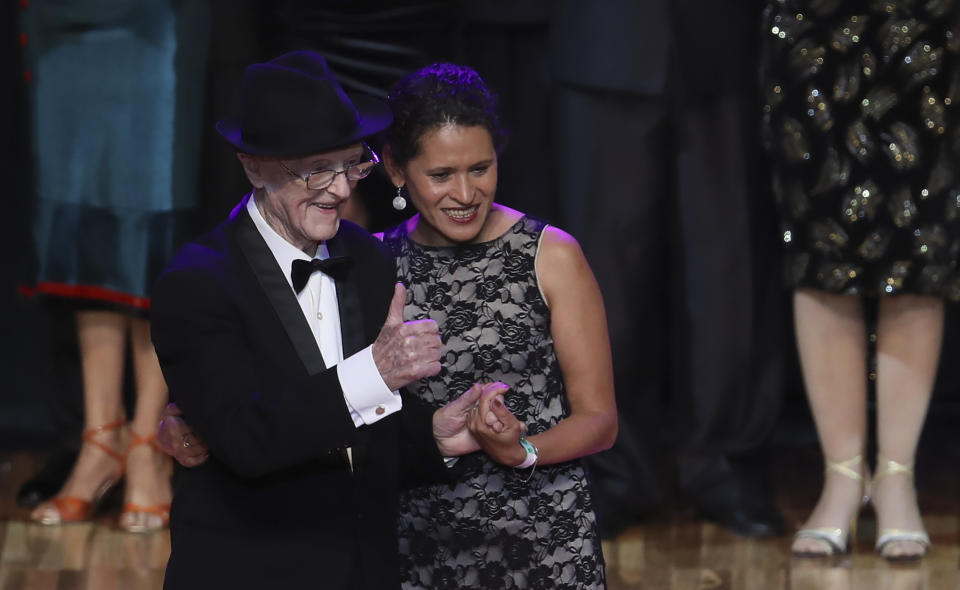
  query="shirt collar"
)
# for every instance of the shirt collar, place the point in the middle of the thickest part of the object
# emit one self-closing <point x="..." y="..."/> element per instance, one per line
<point x="283" y="251"/>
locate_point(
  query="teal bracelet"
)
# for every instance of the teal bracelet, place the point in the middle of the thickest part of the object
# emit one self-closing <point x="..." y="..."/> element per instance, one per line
<point x="532" y="454"/>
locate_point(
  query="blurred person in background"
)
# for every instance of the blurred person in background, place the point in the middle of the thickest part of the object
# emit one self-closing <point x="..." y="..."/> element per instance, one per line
<point x="861" y="124"/>
<point x="653" y="124"/>
<point x="115" y="99"/>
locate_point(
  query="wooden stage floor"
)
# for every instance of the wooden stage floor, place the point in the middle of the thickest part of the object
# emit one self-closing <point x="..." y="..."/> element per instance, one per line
<point x="673" y="554"/>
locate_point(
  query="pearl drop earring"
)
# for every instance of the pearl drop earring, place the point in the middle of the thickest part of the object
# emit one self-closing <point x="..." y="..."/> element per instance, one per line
<point x="399" y="203"/>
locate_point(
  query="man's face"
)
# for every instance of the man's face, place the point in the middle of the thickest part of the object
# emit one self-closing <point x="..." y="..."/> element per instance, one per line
<point x="301" y="215"/>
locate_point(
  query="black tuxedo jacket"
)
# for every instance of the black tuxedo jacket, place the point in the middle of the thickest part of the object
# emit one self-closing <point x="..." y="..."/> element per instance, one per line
<point x="277" y="505"/>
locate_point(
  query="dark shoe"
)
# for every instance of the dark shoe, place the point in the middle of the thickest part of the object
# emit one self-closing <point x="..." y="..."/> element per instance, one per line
<point x="625" y="488"/>
<point x="730" y="491"/>
<point x="613" y="523"/>
<point x="743" y="510"/>
<point x="48" y="480"/>
<point x="620" y="504"/>
<point x="615" y="517"/>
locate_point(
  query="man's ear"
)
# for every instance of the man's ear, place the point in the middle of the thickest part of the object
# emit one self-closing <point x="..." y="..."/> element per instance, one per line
<point x="253" y="167"/>
<point x="397" y="177"/>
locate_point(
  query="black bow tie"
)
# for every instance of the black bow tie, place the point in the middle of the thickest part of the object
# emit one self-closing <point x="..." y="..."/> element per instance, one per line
<point x="335" y="267"/>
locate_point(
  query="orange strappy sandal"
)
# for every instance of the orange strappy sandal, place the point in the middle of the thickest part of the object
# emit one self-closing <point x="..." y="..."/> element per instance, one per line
<point x="137" y="518"/>
<point x="68" y="509"/>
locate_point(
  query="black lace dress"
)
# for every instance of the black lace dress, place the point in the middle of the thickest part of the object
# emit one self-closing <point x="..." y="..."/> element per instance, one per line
<point x="493" y="529"/>
<point x="861" y="120"/>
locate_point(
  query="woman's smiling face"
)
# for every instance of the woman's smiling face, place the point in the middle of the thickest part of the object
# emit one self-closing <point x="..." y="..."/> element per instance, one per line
<point x="452" y="183"/>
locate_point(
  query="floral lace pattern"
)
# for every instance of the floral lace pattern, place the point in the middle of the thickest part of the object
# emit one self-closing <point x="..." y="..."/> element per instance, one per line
<point x="493" y="529"/>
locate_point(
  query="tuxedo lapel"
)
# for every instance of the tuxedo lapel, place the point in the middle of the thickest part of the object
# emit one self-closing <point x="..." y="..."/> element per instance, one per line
<point x="351" y="328"/>
<point x="274" y="284"/>
<point x="348" y="300"/>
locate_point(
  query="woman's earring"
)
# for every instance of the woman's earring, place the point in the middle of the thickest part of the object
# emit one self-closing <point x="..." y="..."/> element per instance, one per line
<point x="399" y="203"/>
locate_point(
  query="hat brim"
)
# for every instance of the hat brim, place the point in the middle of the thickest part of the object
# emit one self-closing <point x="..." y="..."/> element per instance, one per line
<point x="374" y="117"/>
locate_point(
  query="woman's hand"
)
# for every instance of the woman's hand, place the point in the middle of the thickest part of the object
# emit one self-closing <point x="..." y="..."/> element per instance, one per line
<point x="450" y="422"/>
<point x="497" y="430"/>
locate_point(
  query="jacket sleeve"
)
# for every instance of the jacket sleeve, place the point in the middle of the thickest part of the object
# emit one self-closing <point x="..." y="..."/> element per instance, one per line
<point x="254" y="418"/>
<point x="420" y="459"/>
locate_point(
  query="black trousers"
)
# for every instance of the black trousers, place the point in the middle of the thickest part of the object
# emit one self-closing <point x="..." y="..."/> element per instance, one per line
<point x="663" y="203"/>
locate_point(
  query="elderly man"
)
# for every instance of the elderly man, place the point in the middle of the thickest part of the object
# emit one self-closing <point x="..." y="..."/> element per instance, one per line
<point x="271" y="334"/>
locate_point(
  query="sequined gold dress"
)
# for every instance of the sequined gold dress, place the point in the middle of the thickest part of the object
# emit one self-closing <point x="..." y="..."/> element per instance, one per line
<point x="862" y="126"/>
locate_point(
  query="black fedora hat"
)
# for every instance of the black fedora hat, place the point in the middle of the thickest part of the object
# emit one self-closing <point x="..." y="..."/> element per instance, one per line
<point x="294" y="106"/>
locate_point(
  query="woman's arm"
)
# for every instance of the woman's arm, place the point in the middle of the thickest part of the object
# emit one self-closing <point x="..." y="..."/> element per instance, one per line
<point x="579" y="328"/>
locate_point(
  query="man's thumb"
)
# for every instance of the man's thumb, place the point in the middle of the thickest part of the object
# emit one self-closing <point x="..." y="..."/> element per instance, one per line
<point x="395" y="315"/>
<point x="466" y="399"/>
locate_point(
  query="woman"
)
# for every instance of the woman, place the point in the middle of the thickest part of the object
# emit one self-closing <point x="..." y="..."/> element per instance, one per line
<point x="864" y="140"/>
<point x="116" y="92"/>
<point x="516" y="302"/>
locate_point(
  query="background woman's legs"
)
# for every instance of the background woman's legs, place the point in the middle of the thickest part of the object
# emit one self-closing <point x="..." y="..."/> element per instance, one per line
<point x="832" y="344"/>
<point x="909" y="334"/>
<point x="148" y="490"/>
<point x="102" y="339"/>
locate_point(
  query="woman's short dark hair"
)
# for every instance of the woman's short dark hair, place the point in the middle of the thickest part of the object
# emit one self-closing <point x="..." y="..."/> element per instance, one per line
<point x="434" y="96"/>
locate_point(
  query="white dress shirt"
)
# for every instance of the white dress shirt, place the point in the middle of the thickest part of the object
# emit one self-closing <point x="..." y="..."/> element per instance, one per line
<point x="368" y="398"/>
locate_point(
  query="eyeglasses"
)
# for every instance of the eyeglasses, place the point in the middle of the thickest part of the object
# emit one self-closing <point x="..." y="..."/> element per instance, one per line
<point x="321" y="179"/>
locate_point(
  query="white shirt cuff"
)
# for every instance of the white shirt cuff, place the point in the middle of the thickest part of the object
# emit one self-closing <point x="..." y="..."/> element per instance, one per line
<point x="366" y="394"/>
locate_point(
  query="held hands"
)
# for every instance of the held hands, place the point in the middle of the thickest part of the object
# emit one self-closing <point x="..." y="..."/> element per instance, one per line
<point x="476" y="405"/>
<point x="476" y="420"/>
<point x="497" y="430"/>
<point x="405" y="352"/>
<point x="178" y="440"/>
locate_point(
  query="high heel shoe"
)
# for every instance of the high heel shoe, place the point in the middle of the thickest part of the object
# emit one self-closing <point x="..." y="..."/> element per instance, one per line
<point x="69" y="509"/>
<point x="887" y="536"/>
<point x="836" y="539"/>
<point x="138" y="518"/>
